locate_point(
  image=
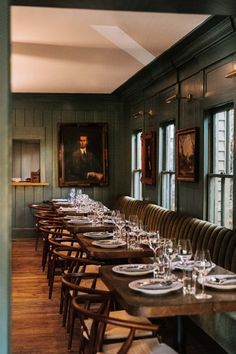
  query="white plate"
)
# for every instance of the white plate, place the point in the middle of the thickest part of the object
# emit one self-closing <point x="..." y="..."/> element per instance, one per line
<point x="136" y="285"/>
<point x="109" y="243"/>
<point x="134" y="269"/>
<point x="98" y="235"/>
<point x="211" y="284"/>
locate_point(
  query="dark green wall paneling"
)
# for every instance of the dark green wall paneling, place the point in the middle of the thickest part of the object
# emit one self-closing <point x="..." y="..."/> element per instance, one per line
<point x="199" y="69"/>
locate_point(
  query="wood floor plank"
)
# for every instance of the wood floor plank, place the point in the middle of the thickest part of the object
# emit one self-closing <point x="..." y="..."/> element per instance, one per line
<point x="36" y="322"/>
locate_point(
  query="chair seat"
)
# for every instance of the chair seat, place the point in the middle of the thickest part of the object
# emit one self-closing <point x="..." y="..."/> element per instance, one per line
<point x="87" y="283"/>
<point x="144" y="346"/>
<point x="115" y="332"/>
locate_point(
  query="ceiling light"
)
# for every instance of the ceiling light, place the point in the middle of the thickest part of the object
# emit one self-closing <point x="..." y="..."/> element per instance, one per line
<point x="125" y="42"/>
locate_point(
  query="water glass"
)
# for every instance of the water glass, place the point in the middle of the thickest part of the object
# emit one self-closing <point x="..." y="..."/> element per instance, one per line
<point x="189" y="281"/>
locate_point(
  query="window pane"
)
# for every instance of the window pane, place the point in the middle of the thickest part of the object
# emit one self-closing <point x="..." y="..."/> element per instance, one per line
<point x="170" y="147"/>
<point x="215" y="200"/>
<point x="136" y="165"/>
<point x="223" y="128"/>
<point x="167" y="165"/>
<point x="221" y="201"/>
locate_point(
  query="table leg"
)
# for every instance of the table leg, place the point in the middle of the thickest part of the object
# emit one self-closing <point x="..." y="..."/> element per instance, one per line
<point x="180" y="335"/>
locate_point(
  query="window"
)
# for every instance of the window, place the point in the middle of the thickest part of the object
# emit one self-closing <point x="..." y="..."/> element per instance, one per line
<point x="220" y="174"/>
<point x="25" y="158"/>
<point x="136" y="165"/>
<point x="167" y="165"/>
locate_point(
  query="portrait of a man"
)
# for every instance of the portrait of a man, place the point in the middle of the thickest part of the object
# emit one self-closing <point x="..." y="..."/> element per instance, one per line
<point x="83" y="154"/>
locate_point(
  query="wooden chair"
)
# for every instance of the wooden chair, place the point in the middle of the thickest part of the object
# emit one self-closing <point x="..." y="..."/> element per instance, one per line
<point x="93" y="324"/>
<point x="46" y="217"/>
<point x="64" y="256"/>
<point x="49" y="231"/>
<point x="79" y="284"/>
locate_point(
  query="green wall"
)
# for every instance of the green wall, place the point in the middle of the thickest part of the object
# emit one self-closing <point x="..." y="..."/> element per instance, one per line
<point x="41" y="114"/>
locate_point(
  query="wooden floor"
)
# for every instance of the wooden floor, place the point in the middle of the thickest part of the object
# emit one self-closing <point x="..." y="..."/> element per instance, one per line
<point x="36" y="322"/>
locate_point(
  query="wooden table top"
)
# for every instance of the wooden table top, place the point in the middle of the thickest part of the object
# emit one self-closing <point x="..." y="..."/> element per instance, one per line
<point x="112" y="253"/>
<point x="82" y="228"/>
<point x="171" y="304"/>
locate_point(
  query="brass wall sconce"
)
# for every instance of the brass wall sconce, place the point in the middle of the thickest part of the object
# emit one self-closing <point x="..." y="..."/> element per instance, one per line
<point x="149" y="113"/>
<point x="231" y="74"/>
<point x="138" y="114"/>
<point x="172" y="98"/>
<point x="142" y="114"/>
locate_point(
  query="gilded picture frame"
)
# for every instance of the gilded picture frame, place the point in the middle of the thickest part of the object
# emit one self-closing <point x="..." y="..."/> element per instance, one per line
<point x="187" y="155"/>
<point x="148" y="147"/>
<point x="82" y="154"/>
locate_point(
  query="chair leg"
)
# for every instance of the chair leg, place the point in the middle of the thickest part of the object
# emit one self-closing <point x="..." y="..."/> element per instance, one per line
<point x="72" y="323"/>
<point x="45" y="254"/>
<point x="51" y="275"/>
<point x="62" y="300"/>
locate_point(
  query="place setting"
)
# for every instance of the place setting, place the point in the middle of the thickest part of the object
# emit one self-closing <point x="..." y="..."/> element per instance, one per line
<point x="155" y="286"/>
<point x="220" y="281"/>
<point x="79" y="220"/>
<point x="109" y="243"/>
<point x="98" y="235"/>
<point x="134" y="269"/>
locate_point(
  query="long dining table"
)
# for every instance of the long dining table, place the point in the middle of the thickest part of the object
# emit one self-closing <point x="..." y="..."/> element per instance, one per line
<point x="110" y="254"/>
<point x="171" y="304"/>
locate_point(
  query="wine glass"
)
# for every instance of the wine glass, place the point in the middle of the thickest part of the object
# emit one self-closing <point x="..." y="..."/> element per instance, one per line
<point x="120" y="224"/>
<point x="171" y="247"/>
<point x="203" y="265"/>
<point x="185" y="251"/>
<point x="154" y="244"/>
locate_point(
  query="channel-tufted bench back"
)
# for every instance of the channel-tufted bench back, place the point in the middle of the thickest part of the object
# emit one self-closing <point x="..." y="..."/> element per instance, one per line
<point x="219" y="240"/>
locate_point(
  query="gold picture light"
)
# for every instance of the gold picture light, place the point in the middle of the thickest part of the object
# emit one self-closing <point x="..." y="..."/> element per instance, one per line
<point x="231" y="74"/>
<point x="172" y="98"/>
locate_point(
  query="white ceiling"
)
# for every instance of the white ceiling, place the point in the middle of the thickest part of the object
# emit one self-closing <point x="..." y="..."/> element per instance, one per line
<point x="67" y="51"/>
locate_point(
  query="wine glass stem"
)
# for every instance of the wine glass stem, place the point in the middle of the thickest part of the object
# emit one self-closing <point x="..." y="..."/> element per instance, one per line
<point x="203" y="284"/>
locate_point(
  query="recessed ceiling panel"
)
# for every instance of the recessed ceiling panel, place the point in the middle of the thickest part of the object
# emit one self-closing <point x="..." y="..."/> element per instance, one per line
<point x="86" y="51"/>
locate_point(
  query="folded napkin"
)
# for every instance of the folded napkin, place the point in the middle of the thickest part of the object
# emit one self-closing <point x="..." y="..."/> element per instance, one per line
<point x="222" y="279"/>
<point x="136" y="268"/>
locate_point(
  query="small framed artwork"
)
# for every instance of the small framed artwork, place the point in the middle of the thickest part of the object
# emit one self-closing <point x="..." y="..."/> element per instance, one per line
<point x="148" y="143"/>
<point x="82" y="154"/>
<point x="187" y="155"/>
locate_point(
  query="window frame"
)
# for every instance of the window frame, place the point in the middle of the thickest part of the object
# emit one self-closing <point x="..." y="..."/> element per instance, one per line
<point x="223" y="176"/>
<point x="166" y="175"/>
<point x="136" y="165"/>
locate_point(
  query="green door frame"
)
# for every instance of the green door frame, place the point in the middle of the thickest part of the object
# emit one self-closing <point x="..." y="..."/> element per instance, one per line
<point x="5" y="172"/>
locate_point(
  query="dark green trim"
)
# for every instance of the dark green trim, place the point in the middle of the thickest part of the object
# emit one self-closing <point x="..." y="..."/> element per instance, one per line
<point x="215" y="7"/>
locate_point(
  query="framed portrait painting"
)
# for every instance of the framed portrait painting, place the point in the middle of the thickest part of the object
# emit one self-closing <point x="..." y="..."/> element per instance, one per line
<point x="187" y="155"/>
<point x="148" y="144"/>
<point x="82" y="154"/>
